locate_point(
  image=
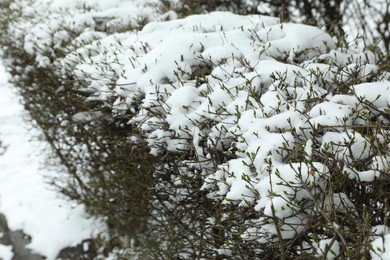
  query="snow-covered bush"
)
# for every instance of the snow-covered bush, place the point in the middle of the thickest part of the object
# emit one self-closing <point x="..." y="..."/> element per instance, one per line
<point x="95" y="153"/>
<point x="369" y="21"/>
<point x="47" y="29"/>
<point x="254" y="138"/>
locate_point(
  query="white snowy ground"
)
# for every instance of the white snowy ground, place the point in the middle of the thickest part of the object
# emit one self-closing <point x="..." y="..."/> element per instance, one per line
<point x="25" y="197"/>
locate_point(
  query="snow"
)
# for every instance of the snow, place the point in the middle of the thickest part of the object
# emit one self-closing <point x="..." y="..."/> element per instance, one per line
<point x="330" y="246"/>
<point x="331" y="114"/>
<point x="377" y="93"/>
<point x="338" y="202"/>
<point x="349" y="145"/>
<point x="288" y="38"/>
<point x="26" y="199"/>
<point x="6" y="252"/>
<point x="381" y="245"/>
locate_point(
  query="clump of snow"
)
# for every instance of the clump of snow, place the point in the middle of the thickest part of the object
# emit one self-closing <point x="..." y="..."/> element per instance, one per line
<point x="6" y="252"/>
<point x="328" y="248"/>
<point x="381" y="244"/>
<point x="375" y="93"/>
<point x="338" y="202"/>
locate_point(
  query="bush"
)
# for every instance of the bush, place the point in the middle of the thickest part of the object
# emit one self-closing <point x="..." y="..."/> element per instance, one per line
<point x="101" y="160"/>
<point x="188" y="7"/>
<point x="219" y="135"/>
<point x="369" y="20"/>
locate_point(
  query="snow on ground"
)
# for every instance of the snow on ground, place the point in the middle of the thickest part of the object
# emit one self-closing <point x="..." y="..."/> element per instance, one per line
<point x="25" y="198"/>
